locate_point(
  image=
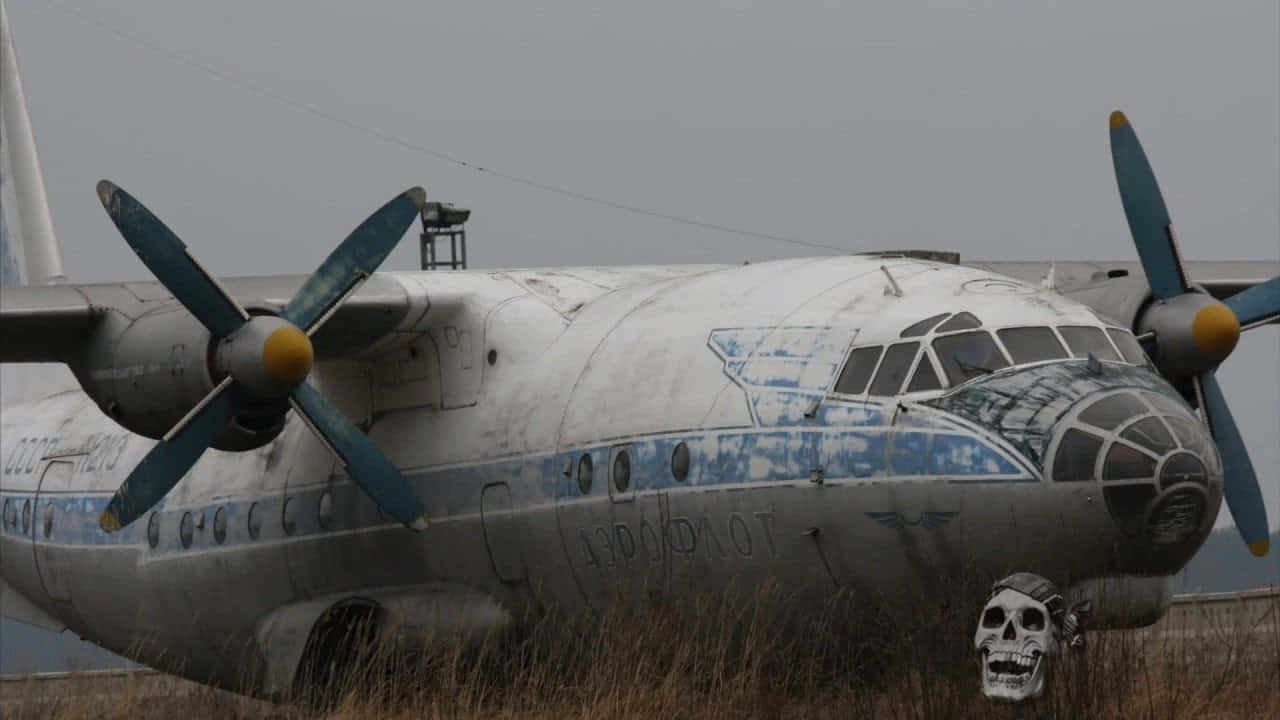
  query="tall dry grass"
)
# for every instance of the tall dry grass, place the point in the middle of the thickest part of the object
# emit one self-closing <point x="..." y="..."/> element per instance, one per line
<point x="730" y="657"/>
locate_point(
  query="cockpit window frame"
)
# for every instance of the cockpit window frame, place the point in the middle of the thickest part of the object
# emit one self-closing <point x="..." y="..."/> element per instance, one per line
<point x="910" y="366"/>
<point x="963" y="320"/>
<point x="925" y="356"/>
<point x="935" y="331"/>
<point x="923" y="327"/>
<point x="1119" y="357"/>
<point x="1111" y="333"/>
<point x="953" y="382"/>
<point x="848" y="359"/>
<point x="1008" y="351"/>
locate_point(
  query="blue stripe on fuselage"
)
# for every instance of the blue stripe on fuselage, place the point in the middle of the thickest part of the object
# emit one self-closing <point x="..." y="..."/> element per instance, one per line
<point x="846" y="440"/>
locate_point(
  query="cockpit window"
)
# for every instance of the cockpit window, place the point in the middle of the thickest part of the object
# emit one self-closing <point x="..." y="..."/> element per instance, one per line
<point x="961" y="321"/>
<point x="924" y="326"/>
<point x="893" y="371"/>
<point x="968" y="355"/>
<point x="1128" y="345"/>
<point x="925" y="378"/>
<point x="1083" y="340"/>
<point x="1031" y="344"/>
<point x="862" y="362"/>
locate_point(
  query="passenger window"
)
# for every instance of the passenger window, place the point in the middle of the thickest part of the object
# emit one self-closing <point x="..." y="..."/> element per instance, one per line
<point x="925" y="378"/>
<point x="1084" y="340"/>
<point x="1032" y="344"/>
<point x="968" y="355"/>
<point x="923" y="327"/>
<point x="853" y="380"/>
<point x="1128" y="345"/>
<point x="962" y="321"/>
<point x="893" y="371"/>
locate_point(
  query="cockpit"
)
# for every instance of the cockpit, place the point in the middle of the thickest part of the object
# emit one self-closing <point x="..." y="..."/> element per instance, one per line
<point x="948" y="349"/>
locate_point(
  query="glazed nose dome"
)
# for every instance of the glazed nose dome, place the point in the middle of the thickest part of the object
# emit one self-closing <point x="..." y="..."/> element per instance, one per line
<point x="1159" y="470"/>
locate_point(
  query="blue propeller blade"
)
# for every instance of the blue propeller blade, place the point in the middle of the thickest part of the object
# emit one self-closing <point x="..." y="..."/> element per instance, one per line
<point x="1258" y="303"/>
<point x="354" y="260"/>
<point x="170" y="460"/>
<point x="1244" y="497"/>
<point x="368" y="467"/>
<point x="1145" y="210"/>
<point x="167" y="258"/>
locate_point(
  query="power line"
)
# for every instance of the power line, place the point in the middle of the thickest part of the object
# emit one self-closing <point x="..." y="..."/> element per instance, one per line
<point x="422" y="150"/>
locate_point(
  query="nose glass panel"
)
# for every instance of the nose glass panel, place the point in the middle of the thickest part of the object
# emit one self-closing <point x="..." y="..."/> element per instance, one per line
<point x="1159" y="470"/>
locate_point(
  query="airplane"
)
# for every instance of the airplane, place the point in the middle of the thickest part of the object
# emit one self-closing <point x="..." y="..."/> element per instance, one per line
<point x="249" y="463"/>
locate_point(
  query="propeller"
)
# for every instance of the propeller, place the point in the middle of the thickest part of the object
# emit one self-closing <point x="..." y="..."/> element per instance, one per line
<point x="1193" y="332"/>
<point x="266" y="359"/>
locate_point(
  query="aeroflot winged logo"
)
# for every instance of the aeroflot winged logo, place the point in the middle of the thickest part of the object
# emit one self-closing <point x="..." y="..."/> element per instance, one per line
<point x="781" y="358"/>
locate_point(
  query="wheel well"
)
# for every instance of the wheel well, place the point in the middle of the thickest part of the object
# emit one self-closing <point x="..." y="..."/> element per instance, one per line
<point x="336" y="656"/>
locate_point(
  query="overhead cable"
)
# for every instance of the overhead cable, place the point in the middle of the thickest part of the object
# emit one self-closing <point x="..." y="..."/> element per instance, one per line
<point x="386" y="137"/>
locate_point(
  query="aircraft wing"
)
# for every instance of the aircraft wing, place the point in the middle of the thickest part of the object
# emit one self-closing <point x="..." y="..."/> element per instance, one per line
<point x="42" y="323"/>
<point x="50" y="323"/>
<point x="1118" y="288"/>
<point x="1222" y="279"/>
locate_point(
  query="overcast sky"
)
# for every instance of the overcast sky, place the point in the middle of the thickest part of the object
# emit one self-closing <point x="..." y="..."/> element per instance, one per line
<point x="976" y="127"/>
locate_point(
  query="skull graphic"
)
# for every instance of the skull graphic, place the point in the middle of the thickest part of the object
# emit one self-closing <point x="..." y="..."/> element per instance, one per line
<point x="1017" y="637"/>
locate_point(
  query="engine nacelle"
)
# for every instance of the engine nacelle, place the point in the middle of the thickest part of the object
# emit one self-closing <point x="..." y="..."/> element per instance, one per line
<point x="1193" y="332"/>
<point x="148" y="372"/>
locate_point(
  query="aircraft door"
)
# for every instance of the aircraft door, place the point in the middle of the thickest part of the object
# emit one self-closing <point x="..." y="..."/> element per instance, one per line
<point x="613" y="526"/>
<point x="639" y="516"/>
<point x="500" y="533"/>
<point x="54" y="516"/>
<point x="651" y="559"/>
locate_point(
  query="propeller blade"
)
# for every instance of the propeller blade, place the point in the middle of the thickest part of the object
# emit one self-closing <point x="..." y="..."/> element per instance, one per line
<point x="353" y="261"/>
<point x="167" y="258"/>
<point x="1258" y="304"/>
<point x="1244" y="497"/>
<point x="172" y="457"/>
<point x="1145" y="210"/>
<point x="365" y="463"/>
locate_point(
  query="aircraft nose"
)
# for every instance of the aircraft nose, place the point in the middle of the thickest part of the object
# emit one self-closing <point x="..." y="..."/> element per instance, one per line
<point x="1160" y="472"/>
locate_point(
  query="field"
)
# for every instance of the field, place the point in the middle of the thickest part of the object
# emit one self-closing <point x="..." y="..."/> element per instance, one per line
<point x="736" y="659"/>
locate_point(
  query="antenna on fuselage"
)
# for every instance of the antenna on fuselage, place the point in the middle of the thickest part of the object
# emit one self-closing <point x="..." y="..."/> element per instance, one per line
<point x="893" y="288"/>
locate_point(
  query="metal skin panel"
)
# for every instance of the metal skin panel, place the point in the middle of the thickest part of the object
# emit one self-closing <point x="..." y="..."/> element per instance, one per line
<point x="787" y="483"/>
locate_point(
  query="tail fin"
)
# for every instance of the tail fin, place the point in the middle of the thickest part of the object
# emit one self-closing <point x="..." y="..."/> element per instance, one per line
<point x="29" y="252"/>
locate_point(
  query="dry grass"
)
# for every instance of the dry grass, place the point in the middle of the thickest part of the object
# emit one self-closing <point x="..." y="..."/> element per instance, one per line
<point x="730" y="659"/>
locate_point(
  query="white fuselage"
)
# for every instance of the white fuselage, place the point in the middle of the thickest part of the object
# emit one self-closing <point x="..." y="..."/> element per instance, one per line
<point x="489" y="398"/>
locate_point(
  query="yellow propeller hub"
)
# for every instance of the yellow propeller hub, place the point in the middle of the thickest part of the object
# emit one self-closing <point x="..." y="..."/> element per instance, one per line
<point x="1216" y="330"/>
<point x="287" y="355"/>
